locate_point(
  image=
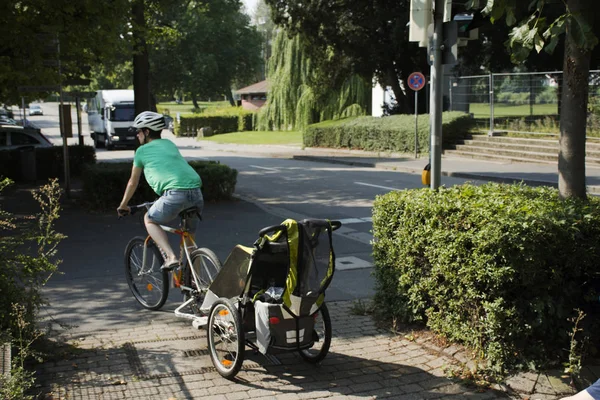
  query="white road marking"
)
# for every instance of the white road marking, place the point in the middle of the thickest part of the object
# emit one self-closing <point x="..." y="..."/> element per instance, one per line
<point x="267" y="168"/>
<point x="377" y="186"/>
<point x="345" y="263"/>
<point x="346" y="221"/>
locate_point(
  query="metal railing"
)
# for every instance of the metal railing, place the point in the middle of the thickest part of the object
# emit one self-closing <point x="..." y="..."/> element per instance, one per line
<point x="522" y="103"/>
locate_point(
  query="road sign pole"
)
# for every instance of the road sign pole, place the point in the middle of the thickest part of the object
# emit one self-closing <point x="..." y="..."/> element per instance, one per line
<point x="77" y="103"/>
<point x="416" y="125"/>
<point x="63" y="131"/>
<point x="436" y="96"/>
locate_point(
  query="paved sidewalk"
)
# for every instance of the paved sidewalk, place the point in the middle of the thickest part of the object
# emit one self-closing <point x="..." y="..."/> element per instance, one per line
<point x="167" y="359"/>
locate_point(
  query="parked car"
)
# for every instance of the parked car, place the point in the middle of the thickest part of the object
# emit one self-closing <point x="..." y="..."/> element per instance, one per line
<point x="16" y="137"/>
<point x="35" y="109"/>
<point x="6" y="120"/>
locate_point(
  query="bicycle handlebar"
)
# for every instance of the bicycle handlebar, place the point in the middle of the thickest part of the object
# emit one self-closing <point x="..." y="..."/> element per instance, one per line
<point x="134" y="209"/>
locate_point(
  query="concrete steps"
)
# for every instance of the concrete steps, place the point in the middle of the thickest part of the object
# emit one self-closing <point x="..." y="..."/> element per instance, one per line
<point x="509" y="149"/>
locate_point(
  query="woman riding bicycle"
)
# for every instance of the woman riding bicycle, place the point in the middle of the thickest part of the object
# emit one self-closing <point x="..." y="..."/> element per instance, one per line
<point x="169" y="175"/>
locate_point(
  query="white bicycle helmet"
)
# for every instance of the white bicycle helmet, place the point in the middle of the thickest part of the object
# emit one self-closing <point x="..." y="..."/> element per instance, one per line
<point x="149" y="120"/>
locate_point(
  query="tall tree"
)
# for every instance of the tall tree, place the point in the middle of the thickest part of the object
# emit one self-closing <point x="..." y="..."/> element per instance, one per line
<point x="368" y="37"/>
<point x="212" y="47"/>
<point x="87" y="31"/>
<point x="296" y="95"/>
<point x="141" y="64"/>
<point x="577" y="23"/>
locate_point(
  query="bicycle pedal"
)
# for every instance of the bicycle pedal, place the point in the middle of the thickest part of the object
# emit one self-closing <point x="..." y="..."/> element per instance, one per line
<point x="199" y="322"/>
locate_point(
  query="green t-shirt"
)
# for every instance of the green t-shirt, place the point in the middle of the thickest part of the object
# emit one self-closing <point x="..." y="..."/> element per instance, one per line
<point x="164" y="167"/>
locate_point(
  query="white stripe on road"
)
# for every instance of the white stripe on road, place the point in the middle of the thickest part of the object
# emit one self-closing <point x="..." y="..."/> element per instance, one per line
<point x="267" y="168"/>
<point x="377" y="186"/>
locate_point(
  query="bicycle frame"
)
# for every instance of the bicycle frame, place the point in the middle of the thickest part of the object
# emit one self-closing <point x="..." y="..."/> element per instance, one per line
<point x="185" y="238"/>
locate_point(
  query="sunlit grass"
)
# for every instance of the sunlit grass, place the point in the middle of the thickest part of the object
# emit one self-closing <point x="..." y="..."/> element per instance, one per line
<point x="187" y="107"/>
<point x="482" y="110"/>
<point x="258" y="137"/>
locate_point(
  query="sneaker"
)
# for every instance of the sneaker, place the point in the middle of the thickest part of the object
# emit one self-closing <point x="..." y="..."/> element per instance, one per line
<point x="170" y="266"/>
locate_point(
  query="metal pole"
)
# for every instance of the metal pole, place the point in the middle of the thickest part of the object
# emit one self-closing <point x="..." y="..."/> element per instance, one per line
<point x="491" y="132"/>
<point x="416" y="125"/>
<point x="62" y="129"/>
<point x="23" y="105"/>
<point x="436" y="96"/>
<point x="77" y="104"/>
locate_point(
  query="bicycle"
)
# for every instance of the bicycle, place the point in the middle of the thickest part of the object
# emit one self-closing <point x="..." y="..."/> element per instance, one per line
<point x="149" y="284"/>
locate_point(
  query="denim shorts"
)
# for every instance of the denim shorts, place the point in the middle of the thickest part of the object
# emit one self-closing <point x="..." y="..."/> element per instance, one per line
<point x="172" y="202"/>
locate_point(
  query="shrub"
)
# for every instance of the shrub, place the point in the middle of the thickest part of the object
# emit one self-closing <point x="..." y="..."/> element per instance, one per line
<point x="222" y="120"/>
<point x="49" y="162"/>
<point x="500" y="268"/>
<point x="392" y="133"/>
<point x="103" y="184"/>
<point x="27" y="261"/>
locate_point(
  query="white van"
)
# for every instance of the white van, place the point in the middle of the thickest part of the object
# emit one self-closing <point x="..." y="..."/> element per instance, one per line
<point x="110" y="114"/>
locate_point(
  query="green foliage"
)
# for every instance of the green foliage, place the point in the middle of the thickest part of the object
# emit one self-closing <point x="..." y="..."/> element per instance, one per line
<point x="536" y="32"/>
<point x="393" y="133"/>
<point x="500" y="268"/>
<point x="204" y="48"/>
<point x="49" y="162"/>
<point x="295" y="100"/>
<point x="368" y="38"/>
<point x="89" y="32"/>
<point x="28" y="258"/>
<point x="222" y="120"/>
<point x="103" y="184"/>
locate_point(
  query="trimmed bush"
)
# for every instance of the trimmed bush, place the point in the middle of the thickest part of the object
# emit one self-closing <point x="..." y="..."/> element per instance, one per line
<point x="104" y="184"/>
<point x="223" y="120"/>
<point x="501" y="268"/>
<point x="393" y="133"/>
<point x="49" y="162"/>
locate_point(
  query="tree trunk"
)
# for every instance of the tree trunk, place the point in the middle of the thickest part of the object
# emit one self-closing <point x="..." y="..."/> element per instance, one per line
<point x="195" y="101"/>
<point x="141" y="65"/>
<point x="401" y="99"/>
<point x="229" y="96"/>
<point x="573" y="113"/>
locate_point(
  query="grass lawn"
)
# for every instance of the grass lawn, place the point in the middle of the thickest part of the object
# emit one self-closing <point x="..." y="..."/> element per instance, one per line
<point x="258" y="137"/>
<point x="482" y="110"/>
<point x="187" y="108"/>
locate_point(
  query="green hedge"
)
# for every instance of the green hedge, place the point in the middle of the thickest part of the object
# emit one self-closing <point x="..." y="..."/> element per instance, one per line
<point x="500" y="268"/>
<point x="393" y="133"/>
<point x="104" y="184"/>
<point x="49" y="162"/>
<point x="233" y="119"/>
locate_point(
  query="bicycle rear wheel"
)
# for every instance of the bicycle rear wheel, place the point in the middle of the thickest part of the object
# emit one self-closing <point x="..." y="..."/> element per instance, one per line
<point x="148" y="283"/>
<point x="206" y="266"/>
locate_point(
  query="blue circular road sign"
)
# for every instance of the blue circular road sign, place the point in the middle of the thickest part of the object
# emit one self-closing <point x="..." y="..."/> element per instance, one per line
<point x="416" y="81"/>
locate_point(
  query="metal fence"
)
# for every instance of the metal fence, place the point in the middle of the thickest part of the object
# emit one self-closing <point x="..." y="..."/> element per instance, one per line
<point x="523" y="103"/>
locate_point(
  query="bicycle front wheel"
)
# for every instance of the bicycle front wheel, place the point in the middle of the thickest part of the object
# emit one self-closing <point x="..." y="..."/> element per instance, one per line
<point x="148" y="283"/>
